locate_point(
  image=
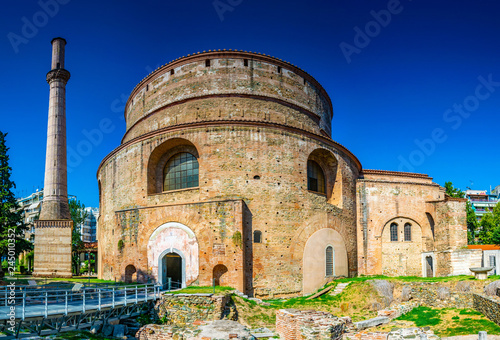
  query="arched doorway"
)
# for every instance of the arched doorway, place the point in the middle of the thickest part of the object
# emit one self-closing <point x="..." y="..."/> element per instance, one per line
<point x="219" y="271"/>
<point x="429" y="267"/>
<point x="130" y="274"/>
<point x="172" y="269"/>
<point x="172" y="265"/>
<point x="175" y="240"/>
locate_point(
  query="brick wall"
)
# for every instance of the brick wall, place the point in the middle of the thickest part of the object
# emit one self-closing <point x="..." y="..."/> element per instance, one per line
<point x="53" y="250"/>
<point x="293" y="324"/>
<point x="386" y="197"/>
<point x="252" y="122"/>
<point x="191" y="82"/>
<point x="277" y="203"/>
<point x="402" y="257"/>
<point x="438" y="224"/>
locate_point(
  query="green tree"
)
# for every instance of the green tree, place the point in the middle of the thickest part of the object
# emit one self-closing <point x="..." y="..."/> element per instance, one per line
<point x="490" y="227"/>
<point x="78" y="215"/>
<point x="12" y="224"/>
<point x="452" y="191"/>
<point x="494" y="224"/>
<point x="472" y="224"/>
<point x="495" y="236"/>
<point x="487" y="225"/>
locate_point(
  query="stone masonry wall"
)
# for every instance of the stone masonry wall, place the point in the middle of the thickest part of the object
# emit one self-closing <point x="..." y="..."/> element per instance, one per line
<point x="451" y="224"/>
<point x="265" y="168"/>
<point x="216" y="224"/>
<point x="53" y="253"/>
<point x="166" y="332"/>
<point x="235" y="73"/>
<point x="464" y="259"/>
<point x="252" y="121"/>
<point x="385" y="197"/>
<point x="402" y="257"/>
<point x="437" y="224"/>
<point x="182" y="309"/>
<point x="489" y="306"/>
<point x="426" y="294"/>
<point x="293" y="324"/>
<point x="451" y="239"/>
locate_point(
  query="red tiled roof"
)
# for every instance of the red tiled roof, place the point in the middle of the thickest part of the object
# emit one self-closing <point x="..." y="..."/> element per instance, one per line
<point x="89" y="245"/>
<point x="396" y="173"/>
<point x="484" y="246"/>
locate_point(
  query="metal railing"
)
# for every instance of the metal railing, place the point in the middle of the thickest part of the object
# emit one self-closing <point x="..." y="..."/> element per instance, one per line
<point x="172" y="285"/>
<point x="32" y="302"/>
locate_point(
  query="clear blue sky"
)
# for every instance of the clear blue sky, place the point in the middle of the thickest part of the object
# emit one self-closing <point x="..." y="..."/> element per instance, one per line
<point x="402" y="79"/>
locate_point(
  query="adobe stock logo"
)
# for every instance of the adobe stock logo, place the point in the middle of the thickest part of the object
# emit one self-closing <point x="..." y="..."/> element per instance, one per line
<point x="85" y="146"/>
<point x="454" y="116"/>
<point x="93" y="138"/>
<point x="39" y="19"/>
<point x="223" y="6"/>
<point x="372" y="29"/>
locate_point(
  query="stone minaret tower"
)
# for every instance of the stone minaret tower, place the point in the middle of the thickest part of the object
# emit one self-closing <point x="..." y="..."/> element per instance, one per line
<point x="54" y="228"/>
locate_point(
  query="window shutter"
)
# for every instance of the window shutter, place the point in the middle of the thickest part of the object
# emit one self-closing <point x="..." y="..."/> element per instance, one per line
<point x="329" y="261"/>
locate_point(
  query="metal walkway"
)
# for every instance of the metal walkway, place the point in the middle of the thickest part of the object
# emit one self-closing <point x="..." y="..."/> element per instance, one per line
<point x="29" y="311"/>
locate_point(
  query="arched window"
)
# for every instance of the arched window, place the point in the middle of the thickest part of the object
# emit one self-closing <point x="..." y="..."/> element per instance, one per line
<point x="315" y="177"/>
<point x="257" y="236"/>
<point x="431" y="222"/>
<point x="329" y="260"/>
<point x="394" y="232"/>
<point x="407" y="232"/>
<point x="181" y="172"/>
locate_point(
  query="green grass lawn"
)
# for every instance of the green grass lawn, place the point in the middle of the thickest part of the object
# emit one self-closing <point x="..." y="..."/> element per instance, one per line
<point x="203" y="290"/>
<point x="415" y="278"/>
<point x="23" y="280"/>
<point x="451" y="321"/>
<point x="355" y="301"/>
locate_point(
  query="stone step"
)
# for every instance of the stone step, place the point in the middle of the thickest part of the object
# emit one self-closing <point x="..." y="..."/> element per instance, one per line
<point x="340" y="288"/>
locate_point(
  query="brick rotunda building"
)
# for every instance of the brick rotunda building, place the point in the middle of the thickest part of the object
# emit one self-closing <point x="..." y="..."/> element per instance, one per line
<point x="227" y="172"/>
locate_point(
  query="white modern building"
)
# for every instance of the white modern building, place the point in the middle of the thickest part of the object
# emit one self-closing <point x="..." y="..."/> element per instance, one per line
<point x="482" y="202"/>
<point x="88" y="229"/>
<point x="32" y="205"/>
